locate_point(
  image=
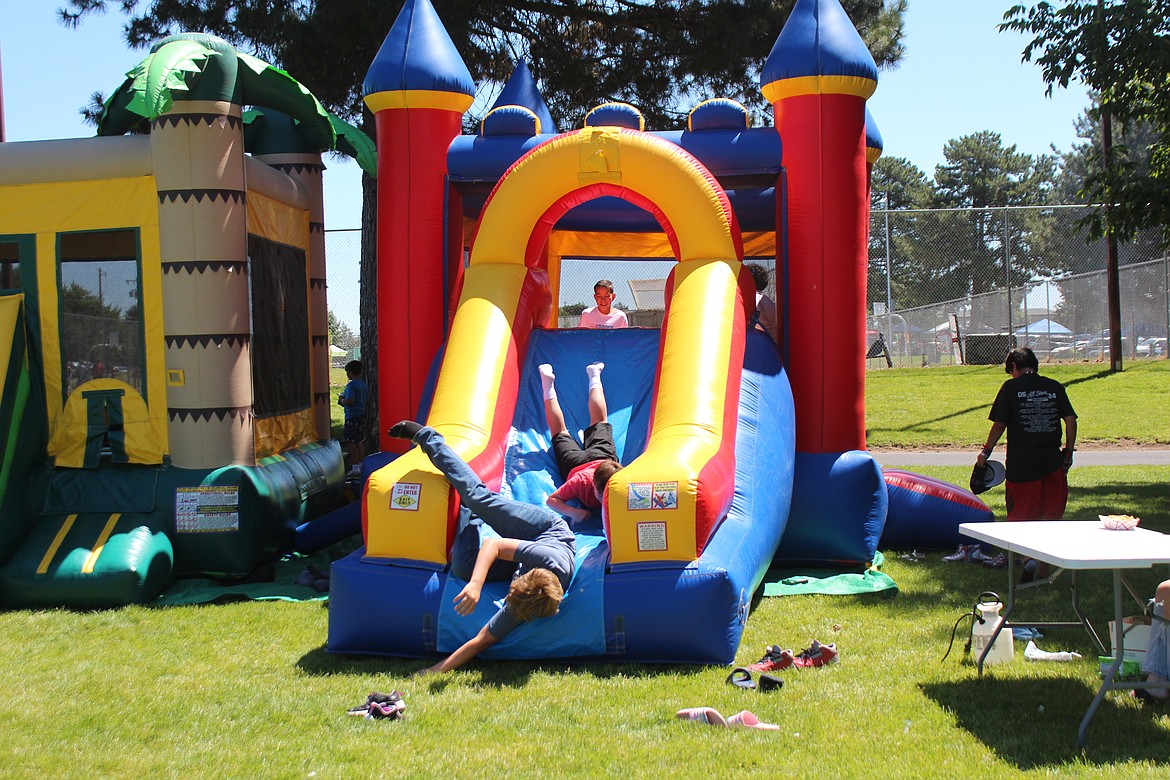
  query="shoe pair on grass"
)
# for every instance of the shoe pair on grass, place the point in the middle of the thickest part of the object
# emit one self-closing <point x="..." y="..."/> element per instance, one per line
<point x="380" y="706"/>
<point x="711" y="717"/>
<point x="973" y="553"/>
<point x="815" y="656"/>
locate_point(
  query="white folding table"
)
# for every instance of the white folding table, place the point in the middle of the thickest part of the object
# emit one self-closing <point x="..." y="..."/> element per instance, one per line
<point x="1076" y="545"/>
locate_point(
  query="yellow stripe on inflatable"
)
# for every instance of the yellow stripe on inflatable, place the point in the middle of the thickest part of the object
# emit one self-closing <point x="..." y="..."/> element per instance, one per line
<point x="652" y="502"/>
<point x="819" y="85"/>
<point x="50" y="553"/>
<point x="587" y="243"/>
<point x="466" y="396"/>
<point x="468" y="386"/>
<point x="419" y="98"/>
<point x="9" y="311"/>
<point x="278" y="222"/>
<point x="659" y="171"/>
<point x="100" y="544"/>
<point x="78" y="205"/>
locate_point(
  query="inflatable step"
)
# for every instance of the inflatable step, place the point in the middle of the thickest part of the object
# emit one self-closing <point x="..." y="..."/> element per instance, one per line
<point x="88" y="561"/>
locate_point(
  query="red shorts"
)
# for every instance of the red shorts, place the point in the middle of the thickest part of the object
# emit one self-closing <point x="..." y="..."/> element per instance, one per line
<point x="1040" y="499"/>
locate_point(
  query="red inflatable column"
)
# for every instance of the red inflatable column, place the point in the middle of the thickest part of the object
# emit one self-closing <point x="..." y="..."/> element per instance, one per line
<point x="418" y="89"/>
<point x="817" y="78"/>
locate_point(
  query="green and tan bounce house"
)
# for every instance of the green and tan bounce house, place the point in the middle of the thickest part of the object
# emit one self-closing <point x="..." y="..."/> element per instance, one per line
<point x="163" y="336"/>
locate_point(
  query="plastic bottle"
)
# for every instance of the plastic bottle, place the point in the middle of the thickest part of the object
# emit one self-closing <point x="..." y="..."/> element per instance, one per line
<point x="987" y="620"/>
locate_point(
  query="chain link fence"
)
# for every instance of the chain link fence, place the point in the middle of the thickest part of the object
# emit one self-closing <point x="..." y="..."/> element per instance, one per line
<point x="944" y="285"/>
<point x="969" y="284"/>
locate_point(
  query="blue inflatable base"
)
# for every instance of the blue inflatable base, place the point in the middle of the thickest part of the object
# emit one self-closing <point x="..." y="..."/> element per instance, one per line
<point x="674" y="612"/>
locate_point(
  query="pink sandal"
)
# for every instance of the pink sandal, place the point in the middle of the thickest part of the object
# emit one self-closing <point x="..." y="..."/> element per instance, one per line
<point x="708" y="715"/>
<point x="748" y="720"/>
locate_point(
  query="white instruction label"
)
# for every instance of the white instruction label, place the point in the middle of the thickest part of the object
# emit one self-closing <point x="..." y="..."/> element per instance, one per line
<point x="207" y="509"/>
<point x="651" y="537"/>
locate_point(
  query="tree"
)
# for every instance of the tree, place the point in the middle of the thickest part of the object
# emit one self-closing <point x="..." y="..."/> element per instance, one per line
<point x="898" y="190"/>
<point x="584" y="53"/>
<point x="1134" y="140"/>
<point x="956" y="249"/>
<point x="984" y="178"/>
<point x="340" y="334"/>
<point x="1120" y="49"/>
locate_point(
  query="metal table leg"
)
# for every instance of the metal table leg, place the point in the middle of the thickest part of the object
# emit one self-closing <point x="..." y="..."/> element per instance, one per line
<point x="1108" y="683"/>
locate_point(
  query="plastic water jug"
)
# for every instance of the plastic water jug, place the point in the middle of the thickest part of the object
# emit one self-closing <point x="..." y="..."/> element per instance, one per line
<point x="987" y="619"/>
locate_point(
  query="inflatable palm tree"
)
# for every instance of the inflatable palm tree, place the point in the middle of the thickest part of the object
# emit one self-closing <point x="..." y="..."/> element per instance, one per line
<point x="191" y="89"/>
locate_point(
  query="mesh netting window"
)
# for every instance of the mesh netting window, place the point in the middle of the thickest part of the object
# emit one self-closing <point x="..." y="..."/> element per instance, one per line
<point x="101" y="328"/>
<point x="280" y="328"/>
<point x="639" y="286"/>
<point x="9" y="264"/>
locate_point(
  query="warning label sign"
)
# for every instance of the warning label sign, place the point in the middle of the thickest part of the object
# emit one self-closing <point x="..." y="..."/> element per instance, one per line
<point x="406" y="496"/>
<point x="652" y="495"/>
<point x="651" y="537"/>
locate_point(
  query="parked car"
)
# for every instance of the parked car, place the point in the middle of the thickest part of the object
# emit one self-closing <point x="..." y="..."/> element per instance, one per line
<point x="1154" y="346"/>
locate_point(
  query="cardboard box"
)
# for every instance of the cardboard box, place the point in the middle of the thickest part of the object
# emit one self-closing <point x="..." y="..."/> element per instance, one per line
<point x="1137" y="637"/>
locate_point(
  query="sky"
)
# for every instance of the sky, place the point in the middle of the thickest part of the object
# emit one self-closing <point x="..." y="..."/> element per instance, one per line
<point x="959" y="76"/>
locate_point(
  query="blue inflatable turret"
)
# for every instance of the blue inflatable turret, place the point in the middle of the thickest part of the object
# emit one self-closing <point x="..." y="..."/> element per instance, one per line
<point x="521" y="90"/>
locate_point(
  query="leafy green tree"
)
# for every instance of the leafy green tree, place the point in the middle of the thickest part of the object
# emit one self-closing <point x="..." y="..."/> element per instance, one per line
<point x="340" y="334"/>
<point x="583" y="52"/>
<point x="1120" y="49"/>
<point x="1144" y="286"/>
<point x="1133" y="145"/>
<point x="982" y="179"/>
<point x="899" y="189"/>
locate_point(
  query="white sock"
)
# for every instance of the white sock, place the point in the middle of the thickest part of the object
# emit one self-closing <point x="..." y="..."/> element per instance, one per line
<point x="593" y="371"/>
<point x="547" y="377"/>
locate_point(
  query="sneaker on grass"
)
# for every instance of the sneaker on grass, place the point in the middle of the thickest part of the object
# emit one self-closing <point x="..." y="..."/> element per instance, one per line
<point x="817" y="655"/>
<point x="997" y="561"/>
<point x="774" y="658"/>
<point x="962" y="553"/>
<point x="978" y="556"/>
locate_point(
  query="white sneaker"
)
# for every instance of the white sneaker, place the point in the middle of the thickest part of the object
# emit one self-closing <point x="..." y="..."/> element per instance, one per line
<point x="962" y="553"/>
<point x="977" y="555"/>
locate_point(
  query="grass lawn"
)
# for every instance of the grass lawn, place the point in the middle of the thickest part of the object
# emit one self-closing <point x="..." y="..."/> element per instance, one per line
<point x="947" y="407"/>
<point x="247" y="690"/>
<point x="337" y="380"/>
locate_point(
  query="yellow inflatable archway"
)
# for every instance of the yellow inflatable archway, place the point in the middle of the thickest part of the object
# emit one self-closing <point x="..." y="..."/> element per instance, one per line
<point x="664" y="504"/>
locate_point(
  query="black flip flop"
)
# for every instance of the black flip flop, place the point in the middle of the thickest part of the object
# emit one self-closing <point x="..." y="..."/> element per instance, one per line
<point x="769" y="682"/>
<point x="741" y="678"/>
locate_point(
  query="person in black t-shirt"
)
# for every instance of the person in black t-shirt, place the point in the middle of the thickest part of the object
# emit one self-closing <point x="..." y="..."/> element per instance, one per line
<point x="1031" y="409"/>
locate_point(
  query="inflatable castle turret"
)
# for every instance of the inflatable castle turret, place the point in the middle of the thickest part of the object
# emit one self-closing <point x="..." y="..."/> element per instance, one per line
<point x="817" y="78"/>
<point x="417" y="88"/>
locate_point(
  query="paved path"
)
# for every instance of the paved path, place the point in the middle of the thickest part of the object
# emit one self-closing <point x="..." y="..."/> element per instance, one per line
<point x="1088" y="457"/>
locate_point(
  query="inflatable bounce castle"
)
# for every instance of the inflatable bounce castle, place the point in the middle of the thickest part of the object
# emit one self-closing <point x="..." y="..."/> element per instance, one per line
<point x="738" y="451"/>
<point x="163" y="335"/>
<point x="165" y="405"/>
